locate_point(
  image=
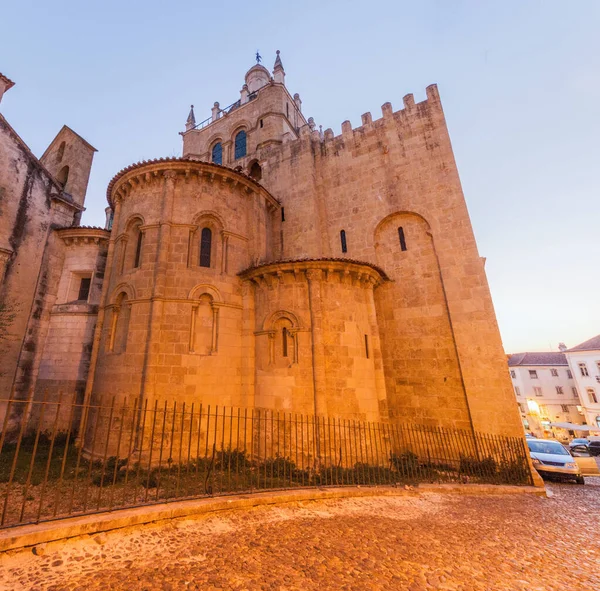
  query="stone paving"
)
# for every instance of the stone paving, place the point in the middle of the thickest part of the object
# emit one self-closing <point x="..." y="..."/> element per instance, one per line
<point x="414" y="542"/>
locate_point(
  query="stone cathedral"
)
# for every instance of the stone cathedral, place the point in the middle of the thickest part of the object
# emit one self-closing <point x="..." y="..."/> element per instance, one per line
<point x="274" y="265"/>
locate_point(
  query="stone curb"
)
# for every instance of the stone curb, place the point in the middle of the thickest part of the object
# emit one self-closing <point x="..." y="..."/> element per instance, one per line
<point x="52" y="531"/>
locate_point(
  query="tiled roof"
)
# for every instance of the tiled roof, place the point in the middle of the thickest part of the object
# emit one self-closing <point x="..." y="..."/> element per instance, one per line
<point x="592" y="345"/>
<point x="543" y="358"/>
<point x="125" y="170"/>
<point x="318" y="260"/>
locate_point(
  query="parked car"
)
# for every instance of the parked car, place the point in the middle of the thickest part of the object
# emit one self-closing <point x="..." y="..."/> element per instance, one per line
<point x="580" y="451"/>
<point x="552" y="459"/>
<point x="594" y="447"/>
<point x="579" y="441"/>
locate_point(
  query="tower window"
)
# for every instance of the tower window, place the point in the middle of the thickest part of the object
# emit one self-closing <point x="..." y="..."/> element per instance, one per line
<point x="261" y="123"/>
<point x="138" y="250"/>
<point x="61" y="152"/>
<point x="367" y="346"/>
<point x="284" y="335"/>
<point x="205" y="247"/>
<point x="401" y="238"/>
<point x="343" y="241"/>
<point x="287" y="110"/>
<point x="63" y="176"/>
<point x="283" y="214"/>
<point x="256" y="171"/>
<point x="84" y="289"/>
<point x="240" y="145"/>
<point x="217" y="153"/>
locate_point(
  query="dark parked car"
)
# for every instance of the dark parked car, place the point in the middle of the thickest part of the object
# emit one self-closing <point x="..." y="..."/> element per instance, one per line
<point x="594" y="447"/>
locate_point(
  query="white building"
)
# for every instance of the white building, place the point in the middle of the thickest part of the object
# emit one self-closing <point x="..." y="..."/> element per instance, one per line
<point x="584" y="362"/>
<point x="546" y="393"/>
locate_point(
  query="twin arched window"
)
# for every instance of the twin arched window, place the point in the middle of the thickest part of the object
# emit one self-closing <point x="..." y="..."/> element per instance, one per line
<point x="240" y="145"/>
<point x="205" y="247"/>
<point x="217" y="153"/>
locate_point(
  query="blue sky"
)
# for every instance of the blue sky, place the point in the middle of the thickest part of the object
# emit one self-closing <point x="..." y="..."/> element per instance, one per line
<point x="519" y="81"/>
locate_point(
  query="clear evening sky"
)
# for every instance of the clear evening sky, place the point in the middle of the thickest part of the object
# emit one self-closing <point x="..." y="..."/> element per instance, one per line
<point x="519" y="81"/>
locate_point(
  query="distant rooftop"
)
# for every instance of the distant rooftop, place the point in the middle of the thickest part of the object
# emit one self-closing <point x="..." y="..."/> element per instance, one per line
<point x="592" y="345"/>
<point x="543" y="358"/>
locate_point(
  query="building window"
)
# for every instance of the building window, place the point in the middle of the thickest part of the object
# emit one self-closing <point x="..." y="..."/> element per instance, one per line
<point x="63" y="176"/>
<point x="559" y="390"/>
<point x="564" y="408"/>
<point x="554" y="372"/>
<point x="261" y="123"/>
<point x="517" y="391"/>
<point x="343" y="241"/>
<point x="256" y="171"/>
<point x="574" y="390"/>
<point x="205" y="247"/>
<point x="287" y="110"/>
<point x="61" y="152"/>
<point x="402" y="238"/>
<point x="513" y="374"/>
<point x="523" y="408"/>
<point x="592" y="396"/>
<point x="598" y="366"/>
<point x="282" y="214"/>
<point x="138" y="250"/>
<point x="583" y="369"/>
<point x="284" y="339"/>
<point x="240" y="145"/>
<point x="84" y="289"/>
<point x="367" y="346"/>
<point x="533" y="374"/>
<point x="569" y="374"/>
<point x="217" y="154"/>
<point x="538" y="391"/>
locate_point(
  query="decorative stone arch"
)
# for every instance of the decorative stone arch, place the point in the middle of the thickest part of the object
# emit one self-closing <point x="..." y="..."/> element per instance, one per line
<point x="282" y="329"/>
<point x="214" y="222"/>
<point x="122" y="296"/>
<point x="130" y="242"/>
<point x="204" y="324"/>
<point x="388" y="218"/>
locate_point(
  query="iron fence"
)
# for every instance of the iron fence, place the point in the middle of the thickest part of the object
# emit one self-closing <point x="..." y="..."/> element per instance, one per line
<point x="61" y="458"/>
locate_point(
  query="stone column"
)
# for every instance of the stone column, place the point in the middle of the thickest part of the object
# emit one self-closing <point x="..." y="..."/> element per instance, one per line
<point x="314" y="278"/>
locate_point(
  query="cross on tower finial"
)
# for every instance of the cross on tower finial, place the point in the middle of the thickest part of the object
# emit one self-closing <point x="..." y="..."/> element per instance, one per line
<point x="258" y="57"/>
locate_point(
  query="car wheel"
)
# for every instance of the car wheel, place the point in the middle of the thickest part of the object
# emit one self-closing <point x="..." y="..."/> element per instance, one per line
<point x="580" y="480"/>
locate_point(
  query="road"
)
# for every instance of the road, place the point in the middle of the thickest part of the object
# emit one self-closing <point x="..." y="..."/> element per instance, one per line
<point x="421" y="542"/>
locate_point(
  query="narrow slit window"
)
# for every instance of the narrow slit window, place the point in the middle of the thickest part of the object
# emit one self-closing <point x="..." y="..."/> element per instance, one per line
<point x="261" y="123"/>
<point x="205" y="247"/>
<point x="367" y="346"/>
<point x="282" y="214"/>
<point x="287" y="110"/>
<point x="284" y="336"/>
<point x="138" y="250"/>
<point x="343" y="241"/>
<point x="401" y="238"/>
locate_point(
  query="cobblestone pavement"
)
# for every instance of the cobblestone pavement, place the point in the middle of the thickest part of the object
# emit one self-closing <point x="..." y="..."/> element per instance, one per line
<point x="417" y="542"/>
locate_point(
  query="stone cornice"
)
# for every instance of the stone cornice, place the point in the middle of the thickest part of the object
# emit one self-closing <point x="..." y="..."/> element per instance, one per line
<point x="147" y="172"/>
<point x="357" y="272"/>
<point x="83" y="235"/>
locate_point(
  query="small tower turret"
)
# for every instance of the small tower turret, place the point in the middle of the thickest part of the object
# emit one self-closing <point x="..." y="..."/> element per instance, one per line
<point x="278" y="71"/>
<point x="191" y="120"/>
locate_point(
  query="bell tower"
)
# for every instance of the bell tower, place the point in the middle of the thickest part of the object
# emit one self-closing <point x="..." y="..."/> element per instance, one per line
<point x="236" y="136"/>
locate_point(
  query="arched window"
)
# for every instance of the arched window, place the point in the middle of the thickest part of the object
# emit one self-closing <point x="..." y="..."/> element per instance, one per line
<point x="205" y="247"/>
<point x="120" y="324"/>
<point x="284" y="337"/>
<point x="240" y="145"/>
<point x="138" y="249"/>
<point x="61" y="152"/>
<point x="217" y="153"/>
<point x="343" y="241"/>
<point x="256" y="171"/>
<point x="63" y="176"/>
